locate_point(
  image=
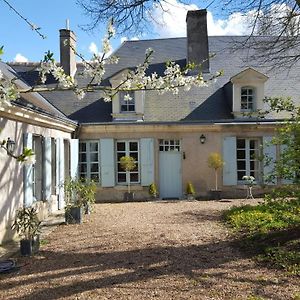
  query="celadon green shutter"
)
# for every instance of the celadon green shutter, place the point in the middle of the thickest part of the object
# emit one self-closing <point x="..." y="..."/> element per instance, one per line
<point x="229" y="157"/>
<point x="74" y="156"/>
<point x="61" y="173"/>
<point x="269" y="151"/>
<point x="47" y="175"/>
<point x="147" y="161"/>
<point x="107" y="162"/>
<point x="28" y="173"/>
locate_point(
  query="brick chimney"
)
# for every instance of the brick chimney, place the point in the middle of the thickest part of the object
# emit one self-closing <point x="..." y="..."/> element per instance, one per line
<point x="67" y="38"/>
<point x="197" y="40"/>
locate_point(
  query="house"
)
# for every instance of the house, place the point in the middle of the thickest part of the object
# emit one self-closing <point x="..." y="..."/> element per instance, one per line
<point x="170" y="136"/>
<point x="33" y="122"/>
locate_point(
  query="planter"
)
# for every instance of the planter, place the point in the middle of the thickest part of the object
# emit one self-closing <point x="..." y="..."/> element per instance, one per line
<point x="73" y="215"/>
<point x="35" y="242"/>
<point x="128" y="196"/>
<point x="26" y="247"/>
<point x="190" y="197"/>
<point x="215" y="195"/>
<point x="87" y="209"/>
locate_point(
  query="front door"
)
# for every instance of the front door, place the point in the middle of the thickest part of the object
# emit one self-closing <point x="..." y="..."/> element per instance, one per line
<point x="170" y="178"/>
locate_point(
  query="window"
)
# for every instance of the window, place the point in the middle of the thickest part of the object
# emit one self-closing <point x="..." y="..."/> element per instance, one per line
<point x="37" y="168"/>
<point x="169" y="145"/>
<point x="53" y="166"/>
<point x="247" y="153"/>
<point x="127" y="148"/>
<point x="247" y="98"/>
<point x="89" y="160"/>
<point x="127" y="101"/>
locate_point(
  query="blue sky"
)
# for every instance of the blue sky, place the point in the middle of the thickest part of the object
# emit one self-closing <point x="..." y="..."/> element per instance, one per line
<point x="21" y="43"/>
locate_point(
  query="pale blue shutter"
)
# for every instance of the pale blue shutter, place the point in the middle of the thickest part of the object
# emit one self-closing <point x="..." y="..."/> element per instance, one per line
<point x="147" y="161"/>
<point x="28" y="173"/>
<point x="74" y="156"/>
<point x="107" y="162"/>
<point x="269" y="151"/>
<point x="47" y="175"/>
<point x="229" y="157"/>
<point x="57" y="166"/>
<point x="61" y="173"/>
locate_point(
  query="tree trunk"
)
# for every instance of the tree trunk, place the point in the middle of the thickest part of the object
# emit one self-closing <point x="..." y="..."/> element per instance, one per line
<point x="216" y="174"/>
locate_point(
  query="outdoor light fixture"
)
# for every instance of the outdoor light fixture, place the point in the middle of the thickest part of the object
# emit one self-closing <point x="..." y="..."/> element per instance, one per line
<point x="10" y="146"/>
<point x="202" y="139"/>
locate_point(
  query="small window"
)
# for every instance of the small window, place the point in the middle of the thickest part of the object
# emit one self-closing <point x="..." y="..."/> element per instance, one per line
<point x="127" y="148"/>
<point x="37" y="168"/>
<point x="247" y="98"/>
<point x="127" y="101"/>
<point x="169" y="145"/>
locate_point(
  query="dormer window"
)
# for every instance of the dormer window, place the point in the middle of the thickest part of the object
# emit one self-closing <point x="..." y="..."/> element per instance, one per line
<point x="127" y="101"/>
<point x="247" y="98"/>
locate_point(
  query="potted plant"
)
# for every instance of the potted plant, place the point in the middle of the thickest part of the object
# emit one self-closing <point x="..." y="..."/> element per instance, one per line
<point x="249" y="182"/>
<point x="28" y="227"/>
<point x="153" y="190"/>
<point x="215" y="162"/>
<point x="73" y="209"/>
<point x="87" y="191"/>
<point x="128" y="164"/>
<point x="190" y="191"/>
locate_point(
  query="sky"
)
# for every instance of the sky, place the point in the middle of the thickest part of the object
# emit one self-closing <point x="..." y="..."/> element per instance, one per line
<point x="23" y="44"/>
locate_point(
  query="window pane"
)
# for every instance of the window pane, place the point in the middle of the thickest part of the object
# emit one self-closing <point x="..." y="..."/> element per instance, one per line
<point x="121" y="177"/>
<point x="94" y="157"/>
<point x="131" y="108"/>
<point x="82" y="147"/>
<point x="240" y="143"/>
<point x="121" y="146"/>
<point x="120" y="168"/>
<point x="82" y="157"/>
<point x="94" y="147"/>
<point x="94" y="167"/>
<point x="95" y="177"/>
<point x="82" y="168"/>
<point x="241" y="165"/>
<point x="120" y="154"/>
<point x="134" y="177"/>
<point x="241" y="174"/>
<point x="135" y="155"/>
<point x="241" y="154"/>
<point x="161" y="148"/>
<point x="133" y="146"/>
<point x="83" y="175"/>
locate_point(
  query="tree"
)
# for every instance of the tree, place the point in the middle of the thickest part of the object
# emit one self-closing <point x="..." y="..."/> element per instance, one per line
<point x="278" y="18"/>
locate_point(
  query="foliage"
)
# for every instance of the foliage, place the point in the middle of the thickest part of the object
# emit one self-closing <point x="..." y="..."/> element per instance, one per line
<point x="127" y="163"/>
<point x="249" y="180"/>
<point x="27" y="223"/>
<point x="272" y="229"/>
<point x="190" y="190"/>
<point x="153" y="190"/>
<point x="215" y="162"/>
<point x="79" y="192"/>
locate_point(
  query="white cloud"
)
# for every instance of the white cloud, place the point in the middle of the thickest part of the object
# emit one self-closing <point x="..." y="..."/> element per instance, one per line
<point x="169" y="20"/>
<point x="93" y="48"/>
<point x="20" y="58"/>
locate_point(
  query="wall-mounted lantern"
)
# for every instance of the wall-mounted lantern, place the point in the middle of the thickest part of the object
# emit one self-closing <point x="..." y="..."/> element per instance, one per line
<point x="202" y="139"/>
<point x="10" y="146"/>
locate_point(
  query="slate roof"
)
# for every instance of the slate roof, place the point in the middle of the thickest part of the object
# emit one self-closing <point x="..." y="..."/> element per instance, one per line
<point x="201" y="104"/>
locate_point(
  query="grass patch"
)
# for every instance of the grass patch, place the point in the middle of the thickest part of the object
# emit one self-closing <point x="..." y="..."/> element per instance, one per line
<point x="271" y="230"/>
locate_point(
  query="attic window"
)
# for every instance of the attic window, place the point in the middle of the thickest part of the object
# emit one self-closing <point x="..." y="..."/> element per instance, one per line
<point x="127" y="101"/>
<point x="247" y="98"/>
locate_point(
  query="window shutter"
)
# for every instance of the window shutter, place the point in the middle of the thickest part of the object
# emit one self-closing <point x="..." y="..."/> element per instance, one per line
<point x="61" y="172"/>
<point x="147" y="161"/>
<point x="47" y="176"/>
<point x="28" y="173"/>
<point x="57" y="145"/>
<point x="107" y="159"/>
<point x="269" y="151"/>
<point x="229" y="156"/>
<point x="74" y="146"/>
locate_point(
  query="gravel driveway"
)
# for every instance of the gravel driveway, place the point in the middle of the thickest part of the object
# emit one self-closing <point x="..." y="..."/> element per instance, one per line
<point x="149" y="250"/>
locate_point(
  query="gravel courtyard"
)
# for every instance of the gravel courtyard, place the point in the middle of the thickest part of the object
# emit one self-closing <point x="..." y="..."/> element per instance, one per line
<point x="148" y="250"/>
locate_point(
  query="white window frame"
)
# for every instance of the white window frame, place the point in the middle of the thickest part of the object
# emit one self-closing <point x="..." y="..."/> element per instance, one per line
<point x="249" y="171"/>
<point x="127" y="103"/>
<point x="127" y="152"/>
<point x="88" y="174"/>
<point x="249" y="105"/>
<point x="38" y="163"/>
<point x="169" y="145"/>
